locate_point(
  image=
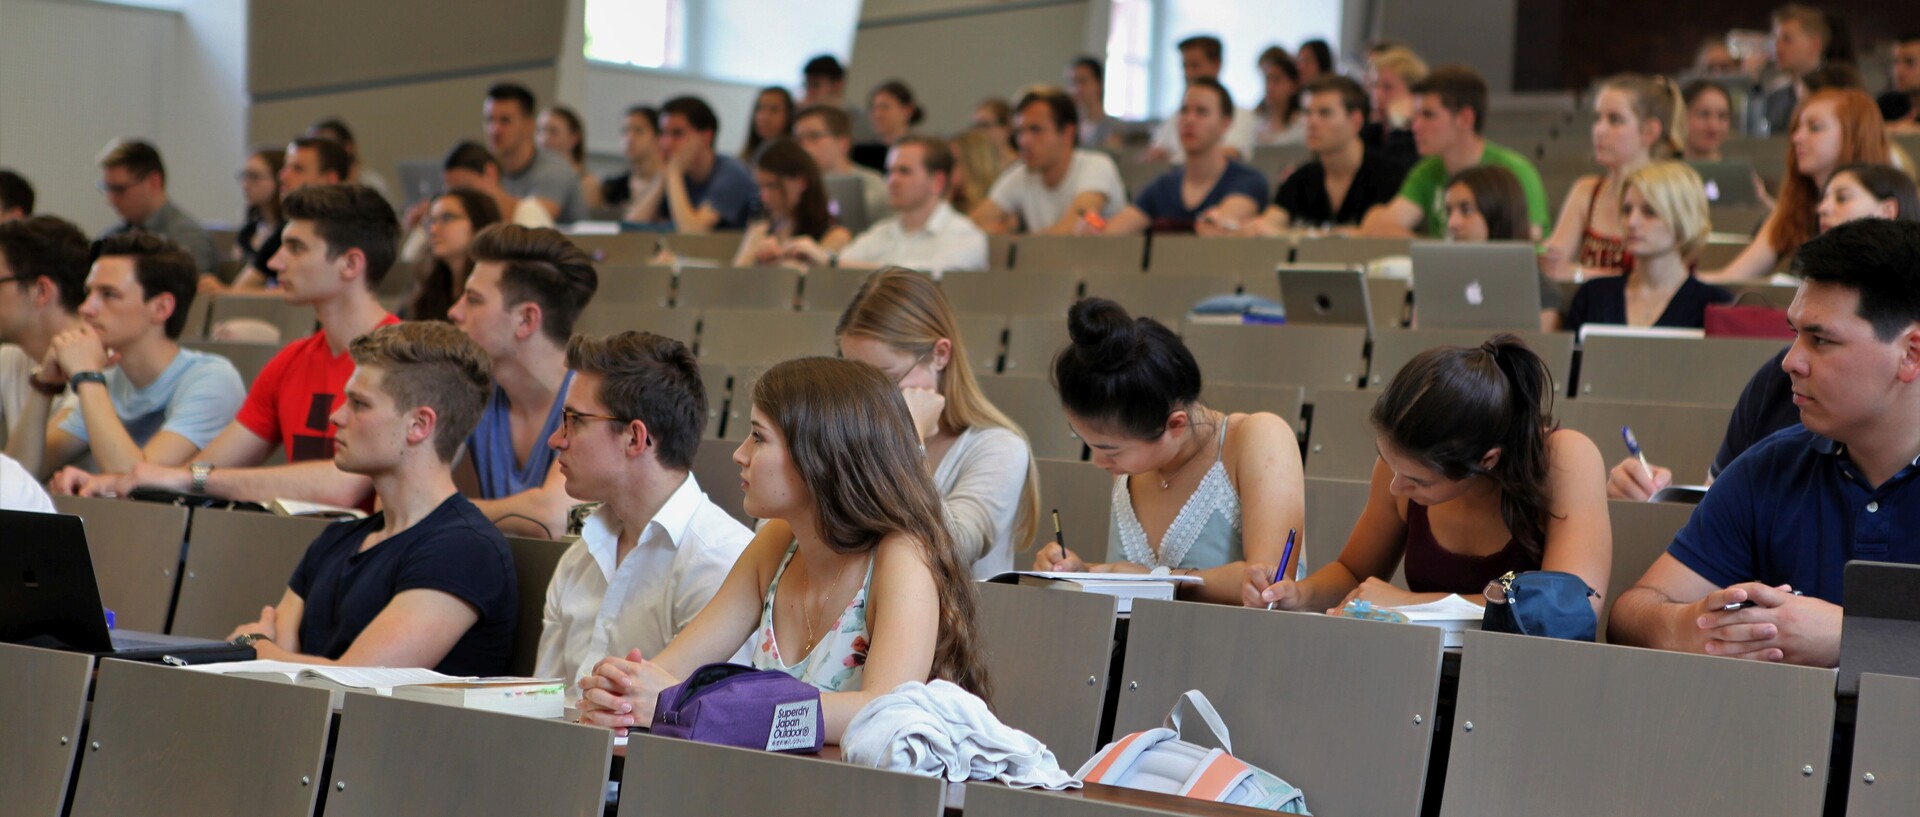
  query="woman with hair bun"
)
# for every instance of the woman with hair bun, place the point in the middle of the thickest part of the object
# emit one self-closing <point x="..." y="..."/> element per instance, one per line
<point x="1196" y="491"/>
<point x="1474" y="479"/>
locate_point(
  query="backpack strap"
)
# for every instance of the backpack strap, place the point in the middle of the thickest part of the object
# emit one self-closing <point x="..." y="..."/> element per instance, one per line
<point x="1114" y="760"/>
<point x="1216" y="775"/>
<point x="1198" y="700"/>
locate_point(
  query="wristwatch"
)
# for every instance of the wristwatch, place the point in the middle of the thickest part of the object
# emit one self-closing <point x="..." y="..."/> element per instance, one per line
<point x="78" y="378"/>
<point x="44" y="387"/>
<point x="200" y="472"/>
<point x="247" y="639"/>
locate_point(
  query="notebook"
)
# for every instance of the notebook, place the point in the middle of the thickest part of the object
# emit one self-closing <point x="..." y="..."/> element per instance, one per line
<point x="49" y="597"/>
<point x="1125" y="587"/>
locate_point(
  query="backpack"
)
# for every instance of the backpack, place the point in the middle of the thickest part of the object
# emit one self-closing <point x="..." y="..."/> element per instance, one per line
<point x="1160" y="760"/>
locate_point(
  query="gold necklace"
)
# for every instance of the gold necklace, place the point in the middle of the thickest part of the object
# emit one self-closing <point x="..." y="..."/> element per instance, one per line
<point x="806" y="611"/>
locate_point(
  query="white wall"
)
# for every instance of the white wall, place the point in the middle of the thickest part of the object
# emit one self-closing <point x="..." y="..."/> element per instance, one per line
<point x="953" y="53"/>
<point x="602" y="93"/>
<point x="75" y="75"/>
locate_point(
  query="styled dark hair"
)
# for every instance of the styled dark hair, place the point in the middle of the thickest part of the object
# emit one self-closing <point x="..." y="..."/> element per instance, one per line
<point x="849" y="435"/>
<point x="1885" y="182"/>
<point x="434" y="296"/>
<point x="432" y="364"/>
<point x="350" y="216"/>
<point x="1279" y="58"/>
<point x="836" y="119"/>
<point x="693" y="109"/>
<point x="647" y="112"/>
<point x="469" y="156"/>
<point x="1450" y="405"/>
<point x="1065" y="114"/>
<point x="161" y="267"/>
<point x="935" y="153"/>
<point x="136" y="157"/>
<point x="1091" y="63"/>
<point x="1219" y="91"/>
<point x="785" y="159"/>
<point x="1459" y="88"/>
<point x="1352" y="96"/>
<point x="542" y="267"/>
<point x="47" y="247"/>
<point x="1207" y="44"/>
<point x="753" y="136"/>
<point x="513" y="92"/>
<point x="579" y="152"/>
<point x="333" y="155"/>
<point x="15" y="191"/>
<point x="650" y="378"/>
<point x="1876" y="257"/>
<point x="825" y="66"/>
<point x="1123" y="372"/>
<point x="1322" y="54"/>
<point x="334" y="128"/>
<point x="1501" y="200"/>
<point x="901" y="93"/>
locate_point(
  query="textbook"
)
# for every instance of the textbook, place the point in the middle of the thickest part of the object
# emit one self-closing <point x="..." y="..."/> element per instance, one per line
<point x="295" y="507"/>
<point x="1123" y="586"/>
<point x="1452" y="614"/>
<point x="533" y="697"/>
<point x="378" y="680"/>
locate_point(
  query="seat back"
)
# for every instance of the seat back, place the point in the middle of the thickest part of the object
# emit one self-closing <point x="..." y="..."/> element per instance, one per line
<point x="1341" y="441"/>
<point x="1028" y="292"/>
<point x="1196" y="255"/>
<point x="1166" y="298"/>
<point x="713" y="466"/>
<point x="645" y="286"/>
<point x="607" y="318"/>
<point x="1032" y="341"/>
<point x="1641" y="532"/>
<point x="136" y="551"/>
<point x="706" y="248"/>
<point x="831" y="290"/>
<point x="294" y="321"/>
<point x="1392" y="350"/>
<point x="1311" y="356"/>
<point x="1333" y="508"/>
<point x="1595" y="729"/>
<point x="983" y="336"/>
<point x="1324" y="682"/>
<point x="1050" y="687"/>
<point x="623" y="249"/>
<point x="741" y="288"/>
<point x="1684" y="438"/>
<point x="163" y="741"/>
<point x="1283" y="400"/>
<point x="43" y="702"/>
<point x="238" y="562"/>
<point x="666" y="777"/>
<point x="454" y="762"/>
<point x="1886" y="748"/>
<point x="1083" y="494"/>
<point x="534" y="561"/>
<point x="1710" y="371"/>
<point x="1343" y="250"/>
<point x="248" y="358"/>
<point x="764" y="336"/>
<point x="1032" y="402"/>
<point x="1081" y="254"/>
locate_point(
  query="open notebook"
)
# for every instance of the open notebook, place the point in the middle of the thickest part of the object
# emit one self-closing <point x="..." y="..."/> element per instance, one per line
<point x="524" y="696"/>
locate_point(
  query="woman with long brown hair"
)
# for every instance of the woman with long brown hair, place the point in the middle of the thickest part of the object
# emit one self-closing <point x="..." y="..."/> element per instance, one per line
<point x="853" y="585"/>
<point x="453" y="219"/>
<point x="981" y="462"/>
<point x="1833" y="127"/>
<point x="793" y="199"/>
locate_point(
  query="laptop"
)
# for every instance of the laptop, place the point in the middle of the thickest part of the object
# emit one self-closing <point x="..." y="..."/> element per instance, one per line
<point x="420" y="181"/>
<point x="1325" y="294"/>
<point x="1881" y="629"/>
<point x="1729" y="184"/>
<point x="1492" y="285"/>
<point x="847" y="197"/>
<point x="50" y="598"/>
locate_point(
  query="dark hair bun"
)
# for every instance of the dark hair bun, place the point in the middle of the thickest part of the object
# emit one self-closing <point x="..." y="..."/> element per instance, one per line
<point x="1105" y="337"/>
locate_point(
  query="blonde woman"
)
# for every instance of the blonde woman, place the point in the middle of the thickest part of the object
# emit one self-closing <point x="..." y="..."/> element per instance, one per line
<point x="1636" y="119"/>
<point x="978" y="163"/>
<point x="981" y="462"/>
<point x="1664" y="217"/>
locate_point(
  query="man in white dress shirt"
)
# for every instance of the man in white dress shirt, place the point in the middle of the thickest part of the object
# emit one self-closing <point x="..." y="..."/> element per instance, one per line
<point x="656" y="551"/>
<point x="927" y="234"/>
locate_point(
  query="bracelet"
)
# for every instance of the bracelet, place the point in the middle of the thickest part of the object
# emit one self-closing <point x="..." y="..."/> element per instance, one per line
<point x="42" y="386"/>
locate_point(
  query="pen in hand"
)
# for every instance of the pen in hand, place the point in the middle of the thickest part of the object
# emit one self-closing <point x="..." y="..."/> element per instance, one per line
<point x="1633" y="447"/>
<point x="1059" y="538"/>
<point x="1284" y="556"/>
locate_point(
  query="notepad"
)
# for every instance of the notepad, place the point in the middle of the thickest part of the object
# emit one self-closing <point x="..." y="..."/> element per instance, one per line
<point x="1124" y="587"/>
<point x="1453" y="615"/>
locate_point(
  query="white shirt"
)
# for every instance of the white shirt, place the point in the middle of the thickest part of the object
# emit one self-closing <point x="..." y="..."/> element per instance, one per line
<point x="1239" y="135"/>
<point x="15" y="369"/>
<point x="1023" y="193"/>
<point x="531" y="213"/>
<point x="981" y="481"/>
<point x="596" y="609"/>
<point x="19" y="491"/>
<point x="948" y="241"/>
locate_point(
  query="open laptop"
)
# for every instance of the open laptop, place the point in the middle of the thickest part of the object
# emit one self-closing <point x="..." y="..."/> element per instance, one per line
<point x="1492" y="285"/>
<point x="1881" y="628"/>
<point x="420" y="180"/>
<point x="847" y="196"/>
<point x="1729" y="184"/>
<point x="1326" y="294"/>
<point x="50" y="598"/>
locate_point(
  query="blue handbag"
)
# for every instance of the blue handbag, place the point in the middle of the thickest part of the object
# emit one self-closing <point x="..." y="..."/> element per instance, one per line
<point x="1546" y="603"/>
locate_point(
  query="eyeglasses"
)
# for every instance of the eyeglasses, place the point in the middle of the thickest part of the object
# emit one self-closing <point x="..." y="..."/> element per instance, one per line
<point x="250" y="176"/>
<point x="448" y="218"/>
<point x="116" y="189"/>
<point x="573" y="419"/>
<point x="909" y="370"/>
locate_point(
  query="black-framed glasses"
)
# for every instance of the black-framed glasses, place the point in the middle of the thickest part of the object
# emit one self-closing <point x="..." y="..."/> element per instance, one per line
<point x="571" y="420"/>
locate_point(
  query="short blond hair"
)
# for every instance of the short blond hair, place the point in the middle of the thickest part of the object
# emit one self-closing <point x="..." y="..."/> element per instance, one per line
<point x="432" y="364"/>
<point x="1679" y="198"/>
<point x="1401" y="61"/>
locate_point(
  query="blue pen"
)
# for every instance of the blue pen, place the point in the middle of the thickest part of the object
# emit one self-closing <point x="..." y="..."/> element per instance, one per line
<point x="1633" y="447"/>
<point x="1284" y="556"/>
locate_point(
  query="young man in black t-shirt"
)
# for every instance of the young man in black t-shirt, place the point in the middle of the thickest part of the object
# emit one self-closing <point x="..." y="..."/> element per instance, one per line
<point x="428" y="581"/>
<point x="1346" y="177"/>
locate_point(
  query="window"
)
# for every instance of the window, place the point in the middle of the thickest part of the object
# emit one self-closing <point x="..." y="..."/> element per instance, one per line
<point x="1129" y="58"/>
<point x="644" y="33"/>
<point x="1143" y="69"/>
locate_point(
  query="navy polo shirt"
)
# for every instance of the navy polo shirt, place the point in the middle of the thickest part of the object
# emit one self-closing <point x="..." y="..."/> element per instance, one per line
<point x="454" y="550"/>
<point x="1162" y="201"/>
<point x="1794" y="510"/>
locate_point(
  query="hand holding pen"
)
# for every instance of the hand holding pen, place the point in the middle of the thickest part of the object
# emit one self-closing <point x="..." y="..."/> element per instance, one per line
<point x="1635" y="478"/>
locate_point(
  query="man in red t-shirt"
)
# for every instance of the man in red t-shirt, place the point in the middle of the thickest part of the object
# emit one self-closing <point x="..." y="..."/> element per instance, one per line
<point x="339" y="242"/>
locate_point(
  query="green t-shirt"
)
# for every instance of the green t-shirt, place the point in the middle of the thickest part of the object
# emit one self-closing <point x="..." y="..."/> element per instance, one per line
<point x="1426" y="182"/>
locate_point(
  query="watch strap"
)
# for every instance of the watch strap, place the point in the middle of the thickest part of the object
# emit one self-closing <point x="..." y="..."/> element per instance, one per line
<point x="78" y="378"/>
<point x="200" y="472"/>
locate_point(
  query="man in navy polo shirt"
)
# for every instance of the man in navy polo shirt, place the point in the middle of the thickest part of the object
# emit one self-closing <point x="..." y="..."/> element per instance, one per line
<point x="1788" y="514"/>
<point x="427" y="581"/>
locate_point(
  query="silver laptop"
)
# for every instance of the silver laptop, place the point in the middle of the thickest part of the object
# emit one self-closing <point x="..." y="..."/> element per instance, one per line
<point x="419" y="181"/>
<point x="1325" y="294"/>
<point x="1729" y="184"/>
<point x="1492" y="285"/>
<point x="847" y="197"/>
<point x="1880" y="630"/>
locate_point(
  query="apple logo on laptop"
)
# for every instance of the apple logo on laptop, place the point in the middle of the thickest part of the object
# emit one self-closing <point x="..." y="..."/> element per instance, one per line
<point x="1713" y="190"/>
<point x="1474" y="295"/>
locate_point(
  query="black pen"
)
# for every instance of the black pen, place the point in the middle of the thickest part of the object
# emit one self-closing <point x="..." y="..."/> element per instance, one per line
<point x="1059" y="538"/>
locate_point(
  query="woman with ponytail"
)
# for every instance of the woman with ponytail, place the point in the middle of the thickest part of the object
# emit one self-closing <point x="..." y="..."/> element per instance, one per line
<point x="853" y="585"/>
<point x="1636" y="118"/>
<point x="1196" y="491"/>
<point x="1474" y="479"/>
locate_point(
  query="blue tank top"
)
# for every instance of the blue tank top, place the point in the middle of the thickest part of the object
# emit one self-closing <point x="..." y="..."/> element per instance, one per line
<point x="491" y="446"/>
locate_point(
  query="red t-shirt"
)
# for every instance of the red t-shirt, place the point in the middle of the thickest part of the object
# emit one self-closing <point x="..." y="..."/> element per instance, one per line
<point x="293" y="396"/>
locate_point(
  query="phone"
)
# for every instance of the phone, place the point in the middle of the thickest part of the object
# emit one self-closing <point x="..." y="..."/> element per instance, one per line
<point x="1739" y="605"/>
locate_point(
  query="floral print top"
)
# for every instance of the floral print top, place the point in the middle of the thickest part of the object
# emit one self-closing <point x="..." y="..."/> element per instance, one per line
<point x="838" y="661"/>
